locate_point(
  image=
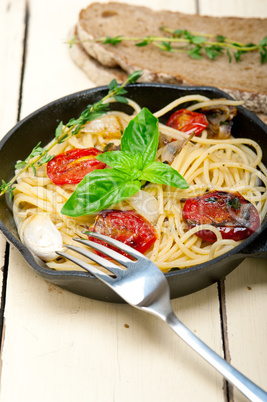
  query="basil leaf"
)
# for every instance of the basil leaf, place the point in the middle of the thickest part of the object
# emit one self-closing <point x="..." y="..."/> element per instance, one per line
<point x="126" y="162"/>
<point x="142" y="136"/>
<point x="161" y="173"/>
<point x="98" y="190"/>
<point x="117" y="159"/>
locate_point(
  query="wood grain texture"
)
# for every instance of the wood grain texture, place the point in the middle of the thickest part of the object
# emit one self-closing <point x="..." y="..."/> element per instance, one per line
<point x="12" y="14"/>
<point x="74" y="348"/>
<point x="246" y="287"/>
<point x="246" y="304"/>
<point x="234" y="8"/>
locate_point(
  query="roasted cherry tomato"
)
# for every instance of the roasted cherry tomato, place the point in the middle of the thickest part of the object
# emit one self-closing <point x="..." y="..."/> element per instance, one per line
<point x="126" y="226"/>
<point x="234" y="216"/>
<point x="187" y="121"/>
<point x="71" y="166"/>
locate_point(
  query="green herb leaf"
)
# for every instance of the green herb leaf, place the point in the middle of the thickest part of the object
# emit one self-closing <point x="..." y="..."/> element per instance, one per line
<point x="229" y="55"/>
<point x="20" y="164"/>
<point x="142" y="136"/>
<point x="263" y="54"/>
<point x="166" y="46"/>
<point x="145" y="42"/>
<point x="113" y="84"/>
<point x="220" y="38"/>
<point x="237" y="55"/>
<point x="134" y="76"/>
<point x="45" y="159"/>
<point x="234" y="203"/>
<point x="7" y="188"/>
<point x="196" y="52"/>
<point x="213" y="51"/>
<point x="212" y="199"/>
<point x="108" y="146"/>
<point x="113" y="41"/>
<point x="117" y="159"/>
<point x="161" y="173"/>
<point x="198" y="40"/>
<point x="98" y="190"/>
<point x="263" y="42"/>
<point x="58" y="131"/>
<point x="72" y="41"/>
<point x="37" y="150"/>
<point x="177" y="33"/>
<point x="120" y="99"/>
<point x="187" y="34"/>
<point x="130" y="164"/>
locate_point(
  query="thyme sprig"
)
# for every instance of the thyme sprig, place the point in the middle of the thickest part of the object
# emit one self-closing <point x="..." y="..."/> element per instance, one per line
<point x="39" y="155"/>
<point x="195" y="44"/>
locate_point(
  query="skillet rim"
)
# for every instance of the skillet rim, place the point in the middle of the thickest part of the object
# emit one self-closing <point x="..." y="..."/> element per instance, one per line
<point x="48" y="273"/>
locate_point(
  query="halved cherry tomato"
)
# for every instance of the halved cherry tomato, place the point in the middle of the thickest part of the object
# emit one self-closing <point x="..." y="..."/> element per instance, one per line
<point x="71" y="166"/>
<point x="187" y="121"/>
<point x="126" y="226"/>
<point x="234" y="216"/>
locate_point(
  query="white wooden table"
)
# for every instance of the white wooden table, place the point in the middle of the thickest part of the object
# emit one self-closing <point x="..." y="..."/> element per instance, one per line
<point x="57" y="346"/>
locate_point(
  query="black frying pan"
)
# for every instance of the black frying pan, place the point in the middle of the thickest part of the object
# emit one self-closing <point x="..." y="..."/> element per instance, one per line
<point x="40" y="126"/>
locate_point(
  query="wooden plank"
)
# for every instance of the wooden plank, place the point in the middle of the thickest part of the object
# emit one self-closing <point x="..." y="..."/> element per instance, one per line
<point x="12" y="14"/>
<point x="234" y="8"/>
<point x="245" y="288"/>
<point x="60" y="346"/>
<point x="52" y="74"/>
<point x="246" y="304"/>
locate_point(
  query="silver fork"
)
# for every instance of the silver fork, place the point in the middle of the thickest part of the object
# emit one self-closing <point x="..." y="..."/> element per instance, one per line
<point x="144" y="286"/>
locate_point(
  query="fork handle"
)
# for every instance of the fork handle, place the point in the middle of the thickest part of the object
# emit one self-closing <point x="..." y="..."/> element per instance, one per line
<point x="247" y="387"/>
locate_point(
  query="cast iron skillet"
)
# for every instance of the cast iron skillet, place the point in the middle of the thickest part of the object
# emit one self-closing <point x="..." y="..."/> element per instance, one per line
<point x="40" y="126"/>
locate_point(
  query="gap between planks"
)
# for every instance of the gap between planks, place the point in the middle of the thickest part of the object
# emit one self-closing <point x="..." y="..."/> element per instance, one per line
<point x="7" y="247"/>
<point x="3" y="295"/>
<point x="25" y="41"/>
<point x="227" y="387"/>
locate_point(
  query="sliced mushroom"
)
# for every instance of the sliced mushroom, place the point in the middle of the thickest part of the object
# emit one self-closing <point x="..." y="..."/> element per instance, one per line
<point x="220" y="118"/>
<point x="173" y="148"/>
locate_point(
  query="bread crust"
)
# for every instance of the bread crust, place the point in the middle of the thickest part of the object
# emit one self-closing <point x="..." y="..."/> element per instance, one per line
<point x="246" y="80"/>
<point x="96" y="72"/>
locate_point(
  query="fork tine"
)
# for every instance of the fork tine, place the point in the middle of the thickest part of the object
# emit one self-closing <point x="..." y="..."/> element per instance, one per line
<point x="113" y="242"/>
<point x="105" y="250"/>
<point x="109" y="265"/>
<point x="90" y="268"/>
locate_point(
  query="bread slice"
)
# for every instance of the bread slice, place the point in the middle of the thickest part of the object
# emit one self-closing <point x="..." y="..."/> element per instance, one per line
<point x="98" y="74"/>
<point x="245" y="80"/>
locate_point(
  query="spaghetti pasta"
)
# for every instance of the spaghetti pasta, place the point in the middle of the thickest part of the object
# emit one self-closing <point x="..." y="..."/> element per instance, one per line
<point x="207" y="164"/>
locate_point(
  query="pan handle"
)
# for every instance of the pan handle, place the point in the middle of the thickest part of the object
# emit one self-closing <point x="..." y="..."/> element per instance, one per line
<point x="258" y="247"/>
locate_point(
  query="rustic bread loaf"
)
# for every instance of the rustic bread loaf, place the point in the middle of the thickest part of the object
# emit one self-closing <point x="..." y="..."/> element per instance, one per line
<point x="98" y="74"/>
<point x="246" y="80"/>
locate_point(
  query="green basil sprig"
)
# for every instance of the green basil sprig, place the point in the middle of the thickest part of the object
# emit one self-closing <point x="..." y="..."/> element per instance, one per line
<point x="131" y="166"/>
